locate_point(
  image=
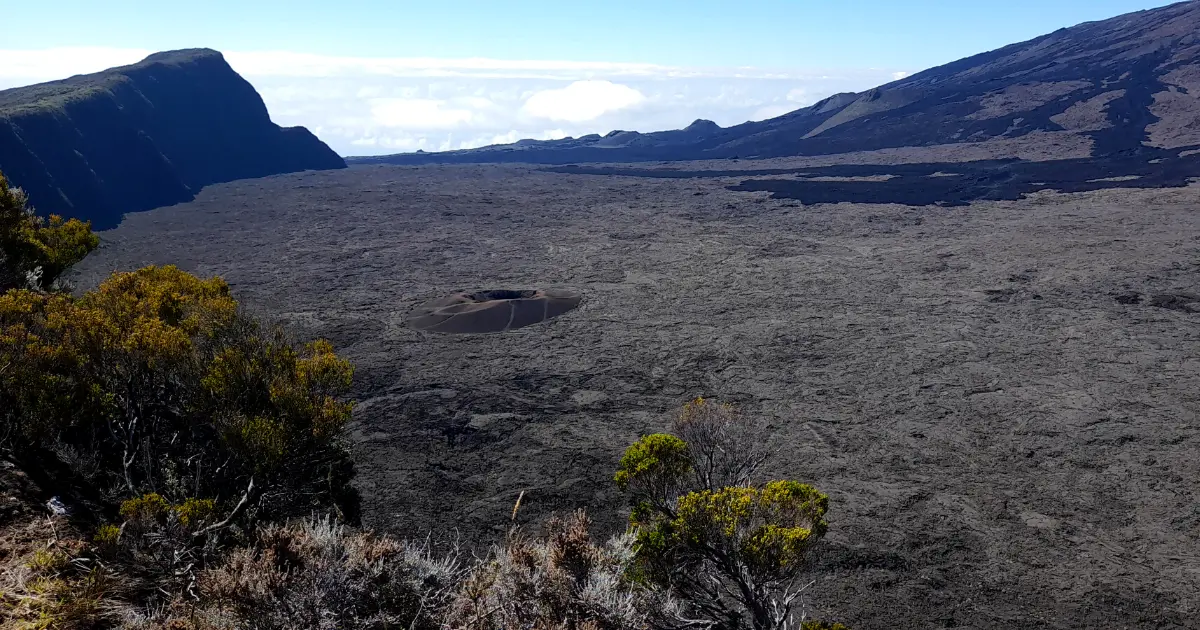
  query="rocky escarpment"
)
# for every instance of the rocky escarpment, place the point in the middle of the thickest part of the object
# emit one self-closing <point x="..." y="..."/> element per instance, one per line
<point x="146" y="135"/>
<point x="1116" y="88"/>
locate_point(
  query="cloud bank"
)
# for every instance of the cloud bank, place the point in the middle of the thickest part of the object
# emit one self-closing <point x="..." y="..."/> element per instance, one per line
<point x="364" y="106"/>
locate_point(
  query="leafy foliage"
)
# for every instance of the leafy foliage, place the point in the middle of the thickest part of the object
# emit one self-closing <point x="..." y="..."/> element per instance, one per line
<point x="823" y="625"/>
<point x="769" y="529"/>
<point x="731" y="549"/>
<point x="651" y="471"/>
<point x="148" y="507"/>
<point x="156" y="383"/>
<point x="35" y="252"/>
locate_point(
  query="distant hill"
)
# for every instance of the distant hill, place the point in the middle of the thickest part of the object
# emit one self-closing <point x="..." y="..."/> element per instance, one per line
<point x="151" y="134"/>
<point x="1126" y="85"/>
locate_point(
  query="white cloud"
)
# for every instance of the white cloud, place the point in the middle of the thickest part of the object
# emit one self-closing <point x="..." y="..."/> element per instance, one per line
<point x="803" y="97"/>
<point x="514" y="134"/>
<point x="387" y="105"/>
<point x="771" y="111"/>
<point x="417" y="113"/>
<point x="21" y="67"/>
<point x="506" y="138"/>
<point x="582" y="101"/>
<point x="896" y="76"/>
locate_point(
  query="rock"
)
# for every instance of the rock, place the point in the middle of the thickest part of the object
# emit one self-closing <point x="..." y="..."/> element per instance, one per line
<point x="57" y="507"/>
<point x="1185" y="302"/>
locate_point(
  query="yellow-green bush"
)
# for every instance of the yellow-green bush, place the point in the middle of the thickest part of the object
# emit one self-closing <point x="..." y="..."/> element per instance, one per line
<point x="107" y="535"/>
<point x="175" y="391"/>
<point x="701" y="521"/>
<point x="193" y="512"/>
<point x="654" y="457"/>
<point x="155" y="398"/>
<point x="35" y="252"/>
<point x="148" y="507"/>
<point x="152" y="507"/>
<point x="822" y="625"/>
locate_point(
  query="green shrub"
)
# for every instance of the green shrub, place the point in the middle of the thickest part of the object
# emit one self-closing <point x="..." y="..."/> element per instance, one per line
<point x="732" y="550"/>
<point x="107" y="535"/>
<point x="194" y="512"/>
<point x="35" y="252"/>
<point x="657" y="456"/>
<point x="176" y="393"/>
<point x="148" y="507"/>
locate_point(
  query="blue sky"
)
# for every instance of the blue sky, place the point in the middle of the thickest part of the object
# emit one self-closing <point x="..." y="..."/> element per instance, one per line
<point x="383" y="76"/>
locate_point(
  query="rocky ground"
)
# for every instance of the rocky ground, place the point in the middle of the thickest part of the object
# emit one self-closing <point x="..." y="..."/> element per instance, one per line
<point x="1000" y="398"/>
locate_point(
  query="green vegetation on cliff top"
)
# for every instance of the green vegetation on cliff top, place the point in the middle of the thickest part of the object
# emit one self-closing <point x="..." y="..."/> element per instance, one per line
<point x="55" y="95"/>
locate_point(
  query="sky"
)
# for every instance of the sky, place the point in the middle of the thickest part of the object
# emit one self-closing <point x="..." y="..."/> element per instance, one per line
<point x="385" y="76"/>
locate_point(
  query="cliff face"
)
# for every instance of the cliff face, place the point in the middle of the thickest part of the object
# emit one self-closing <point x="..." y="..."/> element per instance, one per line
<point x="142" y="136"/>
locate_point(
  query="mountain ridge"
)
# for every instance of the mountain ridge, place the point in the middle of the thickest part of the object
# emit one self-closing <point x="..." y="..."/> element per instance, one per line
<point x="145" y="135"/>
<point x="1125" y="84"/>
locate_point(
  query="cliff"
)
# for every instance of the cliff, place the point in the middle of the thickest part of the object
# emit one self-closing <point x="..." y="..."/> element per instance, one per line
<point x="146" y="135"/>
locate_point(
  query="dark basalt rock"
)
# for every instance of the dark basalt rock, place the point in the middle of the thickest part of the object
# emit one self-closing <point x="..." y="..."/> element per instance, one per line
<point x="147" y="135"/>
<point x="1186" y="302"/>
<point x="942" y="184"/>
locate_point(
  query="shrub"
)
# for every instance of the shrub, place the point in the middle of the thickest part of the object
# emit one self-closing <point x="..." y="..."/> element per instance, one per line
<point x="155" y="398"/>
<point x="35" y="252"/>
<point x="194" y="512"/>
<point x="732" y="550"/>
<point x="318" y="574"/>
<point x="653" y="469"/>
<point x="561" y="580"/>
<point x="148" y="507"/>
<point x="107" y="535"/>
<point x="175" y="392"/>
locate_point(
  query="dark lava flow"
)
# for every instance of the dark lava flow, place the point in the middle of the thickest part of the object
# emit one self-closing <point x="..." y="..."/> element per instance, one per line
<point x="947" y="184"/>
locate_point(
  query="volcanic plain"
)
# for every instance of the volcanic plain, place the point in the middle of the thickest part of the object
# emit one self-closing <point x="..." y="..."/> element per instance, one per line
<point x="1001" y="397"/>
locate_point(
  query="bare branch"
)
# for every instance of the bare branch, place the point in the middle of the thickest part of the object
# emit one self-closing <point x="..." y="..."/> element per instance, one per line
<point x="237" y="509"/>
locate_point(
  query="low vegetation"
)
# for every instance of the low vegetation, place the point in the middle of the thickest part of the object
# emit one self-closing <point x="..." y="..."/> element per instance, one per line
<point x="34" y="252"/>
<point x="732" y="550"/>
<point x="202" y="475"/>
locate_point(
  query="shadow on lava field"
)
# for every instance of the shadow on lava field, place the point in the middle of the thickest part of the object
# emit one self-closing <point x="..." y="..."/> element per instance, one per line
<point x="998" y="400"/>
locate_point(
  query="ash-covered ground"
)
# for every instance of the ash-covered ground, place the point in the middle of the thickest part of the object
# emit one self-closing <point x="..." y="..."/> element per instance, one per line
<point x="1000" y="398"/>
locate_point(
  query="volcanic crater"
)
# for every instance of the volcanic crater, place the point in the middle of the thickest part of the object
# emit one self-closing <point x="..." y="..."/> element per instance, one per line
<point x="491" y="311"/>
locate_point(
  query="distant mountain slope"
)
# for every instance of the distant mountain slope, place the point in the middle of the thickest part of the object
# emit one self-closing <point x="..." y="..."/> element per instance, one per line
<point x="1125" y="85"/>
<point x="146" y="135"/>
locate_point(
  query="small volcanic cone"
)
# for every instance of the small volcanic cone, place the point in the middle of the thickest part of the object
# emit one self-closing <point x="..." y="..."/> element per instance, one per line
<point x="491" y="311"/>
